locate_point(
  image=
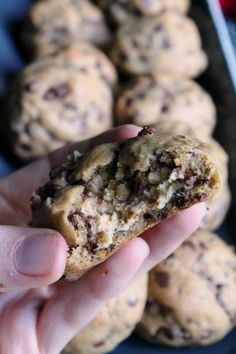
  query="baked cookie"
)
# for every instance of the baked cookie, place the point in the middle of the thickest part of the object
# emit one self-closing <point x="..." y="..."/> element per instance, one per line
<point x="100" y="200"/>
<point x="147" y="100"/>
<point x="89" y="59"/>
<point x="159" y="45"/>
<point x="53" y="24"/>
<point x="218" y="205"/>
<point x="191" y="299"/>
<point x="113" y="324"/>
<point x="121" y="11"/>
<point x="59" y="99"/>
<point x="217" y="208"/>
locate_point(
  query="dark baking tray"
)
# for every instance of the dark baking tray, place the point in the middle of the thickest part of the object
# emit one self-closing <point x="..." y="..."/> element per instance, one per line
<point x="219" y="80"/>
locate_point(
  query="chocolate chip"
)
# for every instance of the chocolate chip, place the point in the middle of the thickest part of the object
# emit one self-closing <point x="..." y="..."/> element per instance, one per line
<point x="135" y="43"/>
<point x="56" y="171"/>
<point x="202" y="245"/>
<point x="57" y="92"/>
<point x="143" y="57"/>
<point x="70" y="250"/>
<point x="123" y="57"/>
<point x="48" y="190"/>
<point x="62" y="30"/>
<point x="105" y="79"/>
<point x="147" y="131"/>
<point x="50" y="95"/>
<point x="31" y="86"/>
<point x="208" y="333"/>
<point x="63" y="91"/>
<point x="156" y="215"/>
<point x="165" y="310"/>
<point x="167" y="44"/>
<point x="179" y="201"/>
<point x="70" y="106"/>
<point x="158" y="28"/>
<point x="73" y="219"/>
<point x="83" y="70"/>
<point x="189" y="244"/>
<point x="84" y="221"/>
<point x="99" y="344"/>
<point x="219" y="286"/>
<point x="26" y="147"/>
<point x="162" y="279"/>
<point x="164" y="332"/>
<point x="130" y="101"/>
<point x="86" y="186"/>
<point x="147" y="216"/>
<point x="165" y="108"/>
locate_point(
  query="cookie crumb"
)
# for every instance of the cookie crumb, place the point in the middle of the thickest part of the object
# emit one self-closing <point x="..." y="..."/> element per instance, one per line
<point x="147" y="131"/>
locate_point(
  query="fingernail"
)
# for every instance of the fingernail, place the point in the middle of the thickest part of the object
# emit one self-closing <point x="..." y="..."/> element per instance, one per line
<point x="34" y="255"/>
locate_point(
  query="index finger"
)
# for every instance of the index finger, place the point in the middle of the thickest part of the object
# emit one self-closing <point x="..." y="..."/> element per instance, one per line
<point x="16" y="189"/>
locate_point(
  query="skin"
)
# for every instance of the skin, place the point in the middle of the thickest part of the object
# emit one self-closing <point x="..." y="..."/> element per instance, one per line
<point x="39" y="314"/>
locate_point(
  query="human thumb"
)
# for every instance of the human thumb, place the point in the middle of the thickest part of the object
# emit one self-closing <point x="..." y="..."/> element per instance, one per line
<point x="30" y="257"/>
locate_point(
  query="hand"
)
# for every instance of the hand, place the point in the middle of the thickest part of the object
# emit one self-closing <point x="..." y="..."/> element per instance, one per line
<point x="38" y="318"/>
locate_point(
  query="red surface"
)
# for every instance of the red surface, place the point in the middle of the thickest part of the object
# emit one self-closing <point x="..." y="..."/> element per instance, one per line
<point x="229" y="7"/>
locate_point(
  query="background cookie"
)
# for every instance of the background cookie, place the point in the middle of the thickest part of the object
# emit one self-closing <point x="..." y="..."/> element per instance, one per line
<point x="53" y="24"/>
<point x="159" y="45"/>
<point x="88" y="59"/>
<point x="57" y="100"/>
<point x="191" y="299"/>
<point x="114" y="322"/>
<point x="102" y="199"/>
<point x="147" y="100"/>
<point x="121" y="11"/>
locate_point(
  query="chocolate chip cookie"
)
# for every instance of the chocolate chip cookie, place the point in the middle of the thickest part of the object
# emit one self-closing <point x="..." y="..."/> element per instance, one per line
<point x="102" y="199"/>
<point x="113" y="324"/>
<point x="166" y="44"/>
<point x="191" y="299"/>
<point x="58" y="99"/>
<point x="53" y="24"/>
<point x="88" y="59"/>
<point x="218" y="205"/>
<point x="147" y="100"/>
<point x="121" y="11"/>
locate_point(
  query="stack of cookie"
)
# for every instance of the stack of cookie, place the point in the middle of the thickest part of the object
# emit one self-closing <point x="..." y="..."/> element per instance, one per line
<point x="191" y="295"/>
<point x="152" y="47"/>
<point x="66" y="94"/>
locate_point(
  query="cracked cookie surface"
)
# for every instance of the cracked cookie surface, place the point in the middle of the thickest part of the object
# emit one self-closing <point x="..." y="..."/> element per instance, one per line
<point x="147" y="100"/>
<point x="191" y="297"/>
<point x="218" y="205"/>
<point x="114" y="323"/>
<point x="61" y="98"/>
<point x="53" y="24"/>
<point x="121" y="11"/>
<point x="159" y="45"/>
<point x="116" y="191"/>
